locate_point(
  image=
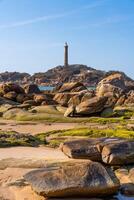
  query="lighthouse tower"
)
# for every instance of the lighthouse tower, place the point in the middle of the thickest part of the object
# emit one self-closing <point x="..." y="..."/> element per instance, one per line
<point x="66" y="55"/>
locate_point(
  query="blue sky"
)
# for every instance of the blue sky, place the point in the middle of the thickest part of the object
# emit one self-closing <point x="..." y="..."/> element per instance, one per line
<point x="100" y="34"/>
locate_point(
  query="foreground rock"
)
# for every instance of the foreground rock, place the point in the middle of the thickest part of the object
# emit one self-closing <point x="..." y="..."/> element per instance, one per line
<point x="74" y="178"/>
<point x="82" y="149"/>
<point x="119" y="153"/>
<point x="113" y="151"/>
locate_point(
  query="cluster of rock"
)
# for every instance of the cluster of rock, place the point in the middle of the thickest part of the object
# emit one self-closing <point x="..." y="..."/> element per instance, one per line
<point x="93" y="170"/>
<point x="115" y="89"/>
<point x="28" y="95"/>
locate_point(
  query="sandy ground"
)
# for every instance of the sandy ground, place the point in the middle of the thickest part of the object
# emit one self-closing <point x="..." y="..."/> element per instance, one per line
<point x="34" y="127"/>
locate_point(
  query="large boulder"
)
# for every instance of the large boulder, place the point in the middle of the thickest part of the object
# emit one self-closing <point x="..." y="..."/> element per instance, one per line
<point x="9" y="87"/>
<point x="63" y="98"/>
<point x="112" y="151"/>
<point x="114" y="86"/>
<point x="73" y="178"/>
<point x="49" y="109"/>
<point x="82" y="149"/>
<point x="91" y="106"/>
<point x="86" y="148"/>
<point x="72" y="87"/>
<point x="32" y="88"/>
<point x="119" y="153"/>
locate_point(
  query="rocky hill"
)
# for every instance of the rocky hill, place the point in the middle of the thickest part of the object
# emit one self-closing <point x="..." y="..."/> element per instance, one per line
<point x="60" y="74"/>
<point x="72" y="73"/>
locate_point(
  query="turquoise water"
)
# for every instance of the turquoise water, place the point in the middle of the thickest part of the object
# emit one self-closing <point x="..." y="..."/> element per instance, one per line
<point x="44" y="88"/>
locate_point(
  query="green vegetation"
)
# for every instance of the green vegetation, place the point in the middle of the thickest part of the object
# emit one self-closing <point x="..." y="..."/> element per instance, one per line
<point x="59" y="136"/>
<point x="93" y="133"/>
<point x="54" y="138"/>
<point x="8" y="139"/>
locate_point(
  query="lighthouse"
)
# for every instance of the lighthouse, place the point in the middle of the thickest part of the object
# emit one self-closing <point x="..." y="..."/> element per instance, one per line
<point x="66" y="55"/>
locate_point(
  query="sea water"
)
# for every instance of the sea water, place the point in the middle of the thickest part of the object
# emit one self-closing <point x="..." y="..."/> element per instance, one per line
<point x="44" y="88"/>
<point x="121" y="197"/>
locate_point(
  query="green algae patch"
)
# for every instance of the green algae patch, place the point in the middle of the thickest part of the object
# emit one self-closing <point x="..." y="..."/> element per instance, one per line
<point x="10" y="139"/>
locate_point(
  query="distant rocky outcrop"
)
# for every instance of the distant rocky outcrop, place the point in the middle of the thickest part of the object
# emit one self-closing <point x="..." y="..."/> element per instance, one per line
<point x="14" y="77"/>
<point x="60" y="74"/>
<point x="72" y="73"/>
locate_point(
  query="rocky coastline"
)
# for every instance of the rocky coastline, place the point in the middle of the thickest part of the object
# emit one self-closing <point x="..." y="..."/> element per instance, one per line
<point x="100" y="156"/>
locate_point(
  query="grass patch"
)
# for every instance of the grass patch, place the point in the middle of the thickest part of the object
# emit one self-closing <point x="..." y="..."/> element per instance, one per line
<point x="84" y="133"/>
<point x="10" y="139"/>
<point x="122" y="133"/>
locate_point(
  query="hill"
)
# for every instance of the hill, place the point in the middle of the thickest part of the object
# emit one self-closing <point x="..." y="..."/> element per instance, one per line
<point x="61" y="74"/>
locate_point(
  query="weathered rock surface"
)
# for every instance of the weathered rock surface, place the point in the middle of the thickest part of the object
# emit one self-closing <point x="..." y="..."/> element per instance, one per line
<point x="70" y="111"/>
<point x="91" y="106"/>
<point x="44" y="99"/>
<point x="113" y="151"/>
<point x="114" y="87"/>
<point x="75" y="99"/>
<point x="63" y="98"/>
<point x="115" y="83"/>
<point x="82" y="149"/>
<point x="73" y="178"/>
<point x="131" y="175"/>
<point x="129" y="98"/>
<point x="119" y="153"/>
<point x="9" y="87"/>
<point x="31" y="88"/>
<point x="86" y="148"/>
<point x="72" y="87"/>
